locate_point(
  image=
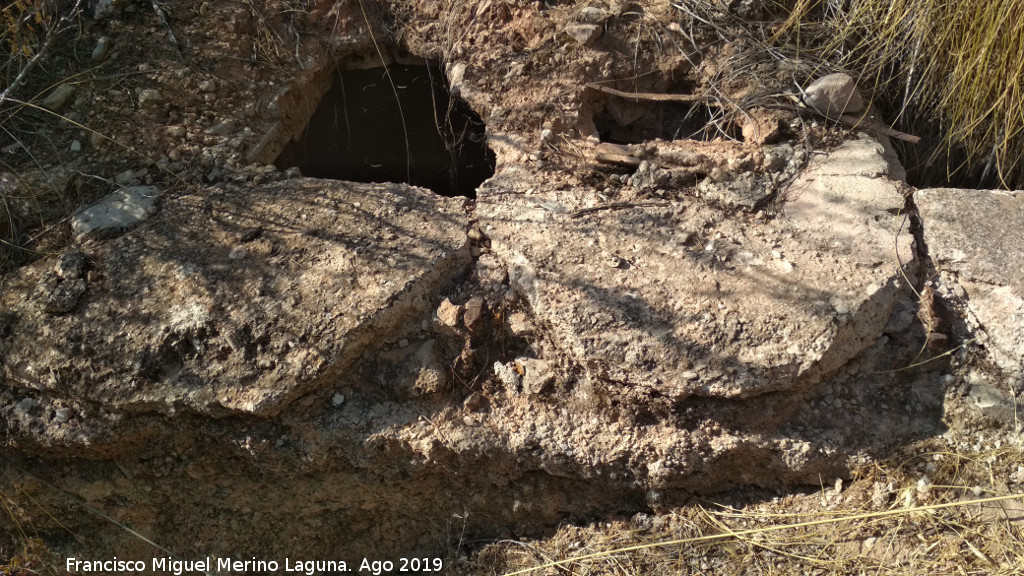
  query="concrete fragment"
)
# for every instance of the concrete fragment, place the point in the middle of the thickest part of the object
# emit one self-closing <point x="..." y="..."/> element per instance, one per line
<point x="976" y="242"/>
<point x="448" y="314"/>
<point x="338" y="267"/>
<point x="70" y="264"/>
<point x="59" y="296"/>
<point x="694" y="318"/>
<point x="116" y="212"/>
<point x="507" y="375"/>
<point x="537" y="375"/>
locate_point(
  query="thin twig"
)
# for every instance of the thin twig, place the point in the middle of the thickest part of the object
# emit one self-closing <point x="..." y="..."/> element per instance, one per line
<point x="50" y="36"/>
<point x="655" y="97"/>
<point x="616" y="206"/>
<point x="877" y="127"/>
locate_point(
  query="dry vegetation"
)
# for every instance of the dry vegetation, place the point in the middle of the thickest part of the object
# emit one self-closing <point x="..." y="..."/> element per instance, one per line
<point x="936" y="512"/>
<point x="954" y="70"/>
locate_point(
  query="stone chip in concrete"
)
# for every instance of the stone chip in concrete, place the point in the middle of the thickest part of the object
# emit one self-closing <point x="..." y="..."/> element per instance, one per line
<point x="116" y="212"/>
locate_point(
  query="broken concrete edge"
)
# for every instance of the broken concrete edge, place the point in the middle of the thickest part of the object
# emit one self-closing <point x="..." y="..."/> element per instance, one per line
<point x="414" y="300"/>
<point x="855" y="221"/>
<point x="973" y="241"/>
<point x="294" y="104"/>
<point x="134" y="263"/>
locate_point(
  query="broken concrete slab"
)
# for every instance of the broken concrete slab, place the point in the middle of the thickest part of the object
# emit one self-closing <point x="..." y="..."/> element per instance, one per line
<point x="116" y="212"/>
<point x="976" y="243"/>
<point x="239" y="299"/>
<point x="690" y="299"/>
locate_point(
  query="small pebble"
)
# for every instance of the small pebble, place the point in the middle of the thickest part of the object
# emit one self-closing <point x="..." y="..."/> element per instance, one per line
<point x="102" y="49"/>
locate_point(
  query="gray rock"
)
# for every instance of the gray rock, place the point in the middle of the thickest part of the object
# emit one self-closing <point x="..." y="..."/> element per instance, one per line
<point x="686" y="317"/>
<point x="103" y="7"/>
<point x="994" y="404"/>
<point x="125" y="178"/>
<point x="58" y="98"/>
<point x="150" y="97"/>
<point x="102" y="49"/>
<point x="26" y="405"/>
<point x="834" y="95"/>
<point x="116" y="212"/>
<point x="223" y="128"/>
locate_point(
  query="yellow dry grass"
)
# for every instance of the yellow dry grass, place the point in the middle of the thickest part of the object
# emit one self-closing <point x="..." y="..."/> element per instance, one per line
<point x="936" y="512"/>
<point x="960" y="63"/>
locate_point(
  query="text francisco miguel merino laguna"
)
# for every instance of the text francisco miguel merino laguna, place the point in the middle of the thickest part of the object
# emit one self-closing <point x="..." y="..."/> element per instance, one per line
<point x="309" y="567"/>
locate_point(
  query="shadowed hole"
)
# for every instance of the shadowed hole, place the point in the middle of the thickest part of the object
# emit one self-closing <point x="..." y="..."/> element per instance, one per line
<point x="361" y="132"/>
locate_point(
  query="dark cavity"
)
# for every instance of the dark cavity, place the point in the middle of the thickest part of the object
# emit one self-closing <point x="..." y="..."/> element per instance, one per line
<point x="394" y="124"/>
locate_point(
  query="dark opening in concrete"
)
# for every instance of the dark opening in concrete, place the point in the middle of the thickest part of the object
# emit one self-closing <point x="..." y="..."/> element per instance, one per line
<point x="394" y="124"/>
<point x="623" y="120"/>
<point x="626" y="122"/>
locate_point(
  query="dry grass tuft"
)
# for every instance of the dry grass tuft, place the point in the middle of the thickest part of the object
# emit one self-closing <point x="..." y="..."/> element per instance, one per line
<point x="937" y="512"/>
<point x="960" y="63"/>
